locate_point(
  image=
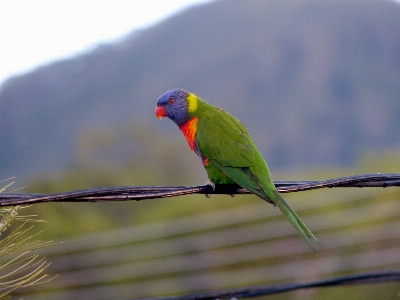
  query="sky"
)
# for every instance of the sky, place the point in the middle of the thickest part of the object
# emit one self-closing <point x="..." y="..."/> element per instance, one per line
<point x="35" y="33"/>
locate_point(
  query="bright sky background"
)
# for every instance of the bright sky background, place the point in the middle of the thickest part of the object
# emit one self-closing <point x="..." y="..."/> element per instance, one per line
<point x="34" y="33"/>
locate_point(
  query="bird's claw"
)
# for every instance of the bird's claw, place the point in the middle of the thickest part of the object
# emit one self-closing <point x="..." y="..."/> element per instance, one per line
<point x="212" y="184"/>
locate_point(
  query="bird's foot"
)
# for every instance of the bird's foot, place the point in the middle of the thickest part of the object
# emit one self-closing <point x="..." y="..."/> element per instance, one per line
<point x="212" y="184"/>
<point x="209" y="182"/>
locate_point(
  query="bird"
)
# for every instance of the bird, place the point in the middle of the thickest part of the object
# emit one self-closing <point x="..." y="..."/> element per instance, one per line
<point x="226" y="150"/>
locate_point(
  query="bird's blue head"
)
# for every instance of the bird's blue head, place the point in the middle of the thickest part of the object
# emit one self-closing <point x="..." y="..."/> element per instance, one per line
<point x="174" y="105"/>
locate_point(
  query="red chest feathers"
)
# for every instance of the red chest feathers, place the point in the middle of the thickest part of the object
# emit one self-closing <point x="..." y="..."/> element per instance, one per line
<point x="189" y="130"/>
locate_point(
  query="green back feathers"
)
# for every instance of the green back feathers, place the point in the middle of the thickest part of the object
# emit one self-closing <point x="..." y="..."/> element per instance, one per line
<point x="225" y="141"/>
<point x="227" y="149"/>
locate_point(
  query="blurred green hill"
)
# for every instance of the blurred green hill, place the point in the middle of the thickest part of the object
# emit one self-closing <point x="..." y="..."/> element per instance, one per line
<point x="316" y="82"/>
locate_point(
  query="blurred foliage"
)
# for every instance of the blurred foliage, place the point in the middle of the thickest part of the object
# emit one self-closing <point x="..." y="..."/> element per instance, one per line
<point x="124" y="155"/>
<point x="116" y="156"/>
<point x="385" y="161"/>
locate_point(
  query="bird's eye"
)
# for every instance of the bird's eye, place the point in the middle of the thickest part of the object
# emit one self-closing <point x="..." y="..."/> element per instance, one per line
<point x="171" y="101"/>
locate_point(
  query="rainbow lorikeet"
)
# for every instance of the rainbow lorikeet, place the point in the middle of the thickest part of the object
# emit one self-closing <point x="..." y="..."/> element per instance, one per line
<point x="226" y="149"/>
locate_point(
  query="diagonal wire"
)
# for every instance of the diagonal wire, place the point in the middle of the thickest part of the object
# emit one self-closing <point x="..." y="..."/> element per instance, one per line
<point x="152" y="192"/>
<point x="250" y="292"/>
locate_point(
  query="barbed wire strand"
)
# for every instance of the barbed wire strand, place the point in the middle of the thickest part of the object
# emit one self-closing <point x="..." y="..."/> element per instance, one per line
<point x="153" y="192"/>
<point x="251" y="292"/>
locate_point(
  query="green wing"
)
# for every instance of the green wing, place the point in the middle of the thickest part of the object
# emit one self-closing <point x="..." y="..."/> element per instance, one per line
<point x="221" y="137"/>
<point x="227" y="143"/>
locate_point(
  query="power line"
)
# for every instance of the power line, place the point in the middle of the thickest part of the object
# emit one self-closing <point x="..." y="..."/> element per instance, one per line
<point x="250" y="292"/>
<point x="152" y="192"/>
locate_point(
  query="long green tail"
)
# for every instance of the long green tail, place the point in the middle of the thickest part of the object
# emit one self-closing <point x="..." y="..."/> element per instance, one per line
<point x="297" y="223"/>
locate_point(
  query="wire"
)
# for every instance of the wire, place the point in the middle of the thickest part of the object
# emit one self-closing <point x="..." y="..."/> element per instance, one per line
<point x="250" y="292"/>
<point x="152" y="192"/>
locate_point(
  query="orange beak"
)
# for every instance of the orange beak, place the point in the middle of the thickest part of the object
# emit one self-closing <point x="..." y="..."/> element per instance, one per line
<point x="161" y="112"/>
